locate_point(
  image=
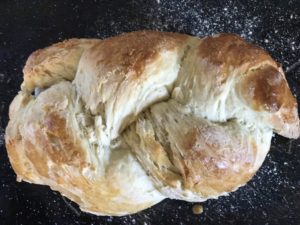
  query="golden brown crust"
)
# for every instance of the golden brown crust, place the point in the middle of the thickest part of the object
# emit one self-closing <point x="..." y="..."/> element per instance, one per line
<point x="228" y="51"/>
<point x="205" y="158"/>
<point x="47" y="147"/>
<point x="99" y="194"/>
<point x="130" y="53"/>
<point x="116" y="68"/>
<point x="65" y="149"/>
<point x="264" y="89"/>
<point x="209" y="164"/>
<point x="260" y="81"/>
<point x="55" y="63"/>
<point x="263" y="83"/>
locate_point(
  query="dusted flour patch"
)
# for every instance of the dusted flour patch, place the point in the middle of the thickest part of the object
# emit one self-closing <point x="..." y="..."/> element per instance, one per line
<point x="2" y="136"/>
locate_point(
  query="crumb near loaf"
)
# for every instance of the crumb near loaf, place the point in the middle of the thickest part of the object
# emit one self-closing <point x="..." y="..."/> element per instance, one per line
<point x="197" y="209"/>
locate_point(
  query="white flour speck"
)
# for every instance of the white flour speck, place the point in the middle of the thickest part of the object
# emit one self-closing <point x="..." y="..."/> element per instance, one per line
<point x="1" y="136"/>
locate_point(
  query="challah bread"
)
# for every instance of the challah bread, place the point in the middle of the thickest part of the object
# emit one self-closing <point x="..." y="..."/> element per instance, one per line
<point x="117" y="125"/>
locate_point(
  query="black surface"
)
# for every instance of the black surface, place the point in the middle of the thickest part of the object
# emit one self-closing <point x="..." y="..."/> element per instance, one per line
<point x="271" y="197"/>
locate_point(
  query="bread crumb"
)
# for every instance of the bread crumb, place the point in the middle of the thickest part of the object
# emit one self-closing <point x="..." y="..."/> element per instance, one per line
<point x="197" y="209"/>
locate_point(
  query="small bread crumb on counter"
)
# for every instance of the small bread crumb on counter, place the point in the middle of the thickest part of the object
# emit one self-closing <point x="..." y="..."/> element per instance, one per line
<point x="197" y="209"/>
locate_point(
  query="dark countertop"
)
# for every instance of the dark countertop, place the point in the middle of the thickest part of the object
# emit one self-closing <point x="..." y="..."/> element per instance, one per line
<point x="272" y="197"/>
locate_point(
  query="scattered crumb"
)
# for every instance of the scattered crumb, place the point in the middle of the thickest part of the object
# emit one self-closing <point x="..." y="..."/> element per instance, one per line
<point x="197" y="209"/>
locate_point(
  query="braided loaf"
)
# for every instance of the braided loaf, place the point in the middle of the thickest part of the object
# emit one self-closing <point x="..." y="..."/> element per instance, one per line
<point x="117" y="125"/>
